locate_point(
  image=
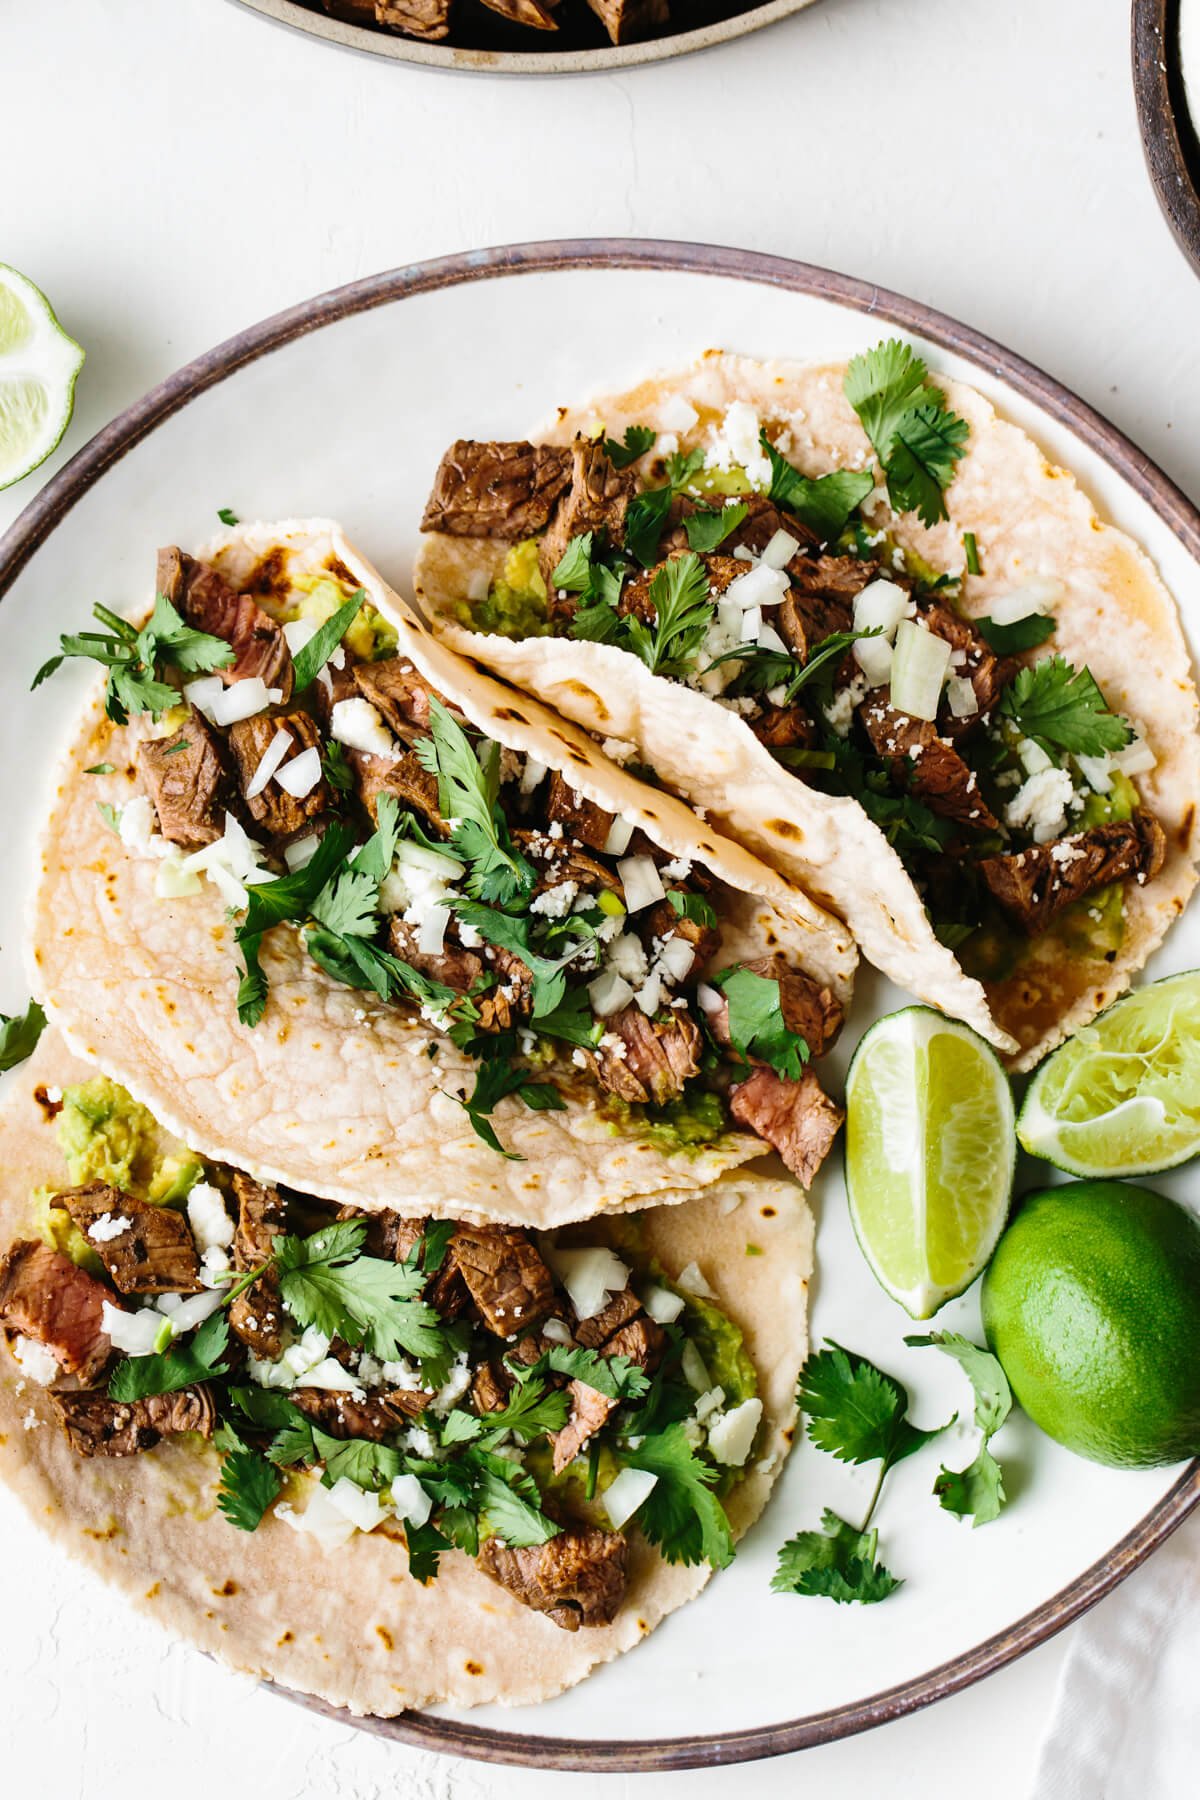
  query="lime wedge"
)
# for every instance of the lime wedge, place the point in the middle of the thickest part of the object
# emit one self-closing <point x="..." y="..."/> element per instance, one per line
<point x="1123" y="1096"/>
<point x="930" y="1154"/>
<point x="38" y="366"/>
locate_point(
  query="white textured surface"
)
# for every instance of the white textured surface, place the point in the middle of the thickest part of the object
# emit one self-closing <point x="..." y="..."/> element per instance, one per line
<point x="186" y="169"/>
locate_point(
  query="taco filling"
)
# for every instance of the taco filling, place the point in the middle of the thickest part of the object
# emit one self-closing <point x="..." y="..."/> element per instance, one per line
<point x="327" y="789"/>
<point x="530" y="1401"/>
<point x="1004" y="781"/>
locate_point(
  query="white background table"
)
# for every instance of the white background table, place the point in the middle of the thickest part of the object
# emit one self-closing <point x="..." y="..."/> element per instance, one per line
<point x="175" y="169"/>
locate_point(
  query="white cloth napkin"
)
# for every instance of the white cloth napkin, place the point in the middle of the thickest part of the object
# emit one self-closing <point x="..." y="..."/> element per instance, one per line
<point x="1126" y="1719"/>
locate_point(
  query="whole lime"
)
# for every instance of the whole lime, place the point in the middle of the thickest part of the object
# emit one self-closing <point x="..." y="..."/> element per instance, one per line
<point x="1092" y="1304"/>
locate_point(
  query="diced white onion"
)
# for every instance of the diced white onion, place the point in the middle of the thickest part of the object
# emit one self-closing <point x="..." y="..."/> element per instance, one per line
<point x="619" y="834"/>
<point x="1137" y="758"/>
<point x="880" y="605"/>
<point x="918" y="670"/>
<point x="1022" y="602"/>
<point x="1032" y="757"/>
<point x="640" y="880"/>
<point x="331" y="1376"/>
<point x="691" y="1367"/>
<point x="609" y="993"/>
<point x="299" y="854"/>
<point x="410" y="1500"/>
<point x="759" y="586"/>
<point x="362" y="1508"/>
<point x="136" y="1333"/>
<point x="709" y="1404"/>
<point x="300" y="776"/>
<point x="359" y="725"/>
<point x="778" y="553"/>
<point x="663" y="1306"/>
<point x="710" y="998"/>
<point x="211" y="1224"/>
<point x="752" y="623"/>
<point x="557" y="1331"/>
<point x="1097" y="772"/>
<point x="479" y="585"/>
<point x="430" y="863"/>
<point x="693" y="1282"/>
<point x="240" y="700"/>
<point x="532" y="775"/>
<point x="650" y="995"/>
<point x="431" y="929"/>
<point x="193" y="1311"/>
<point x="298" y="632"/>
<point x="769" y="639"/>
<point x="874" y="657"/>
<point x="272" y="756"/>
<point x="731" y="1438"/>
<point x="964" y="701"/>
<point x="625" y="1493"/>
<point x="675" y="958"/>
<point x="589" y="1277"/>
<point x="203" y="693"/>
<point x="320" y="1520"/>
<point x="729" y="621"/>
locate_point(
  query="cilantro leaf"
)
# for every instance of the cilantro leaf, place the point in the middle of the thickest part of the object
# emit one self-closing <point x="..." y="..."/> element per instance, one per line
<point x="139" y="1377"/>
<point x="19" y="1035"/>
<point x="324" y="1281"/>
<point x="855" y="1411"/>
<point x="308" y="662"/>
<point x="290" y="897"/>
<point x="348" y="905"/>
<point x="227" y="516"/>
<point x="335" y="768"/>
<point x="495" y="1079"/>
<point x="166" y="637"/>
<point x="573" y="571"/>
<point x="971" y="552"/>
<point x="683" y="612"/>
<point x="507" y="1500"/>
<point x="757" y="1027"/>
<point x="248" y="1486"/>
<point x="836" y="1562"/>
<point x="614" y="1376"/>
<point x="425" y="1546"/>
<point x="645" y="521"/>
<point x="825" y="503"/>
<point x="636" y="442"/>
<point x="513" y="933"/>
<point x="1022" y="634"/>
<point x="430" y="1250"/>
<point x="101" y="768"/>
<point x="682" y="468"/>
<point x="367" y="1465"/>
<point x="572" y="1020"/>
<point x="917" y="439"/>
<point x="709" y="526"/>
<point x="252" y="988"/>
<point x="681" y="1514"/>
<point x="267" y="1408"/>
<point x="1061" y="707"/>
<point x="977" y="1490"/>
<point x="532" y="1411"/>
<point x="468" y="792"/>
<point x="695" y="907"/>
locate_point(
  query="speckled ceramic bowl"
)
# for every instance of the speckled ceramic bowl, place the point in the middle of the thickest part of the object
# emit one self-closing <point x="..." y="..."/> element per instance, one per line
<point x="1163" y="87"/>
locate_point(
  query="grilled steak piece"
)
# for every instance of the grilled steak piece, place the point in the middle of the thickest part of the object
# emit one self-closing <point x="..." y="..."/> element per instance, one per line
<point x="629" y="21"/>
<point x="453" y="966"/>
<point x="397" y="692"/>
<point x="44" y="1296"/>
<point x="490" y="1388"/>
<point x="508" y="1281"/>
<point x="640" y="1340"/>
<point x="784" y="728"/>
<point x="987" y="672"/>
<point x="594" y="1332"/>
<point x="595" y="501"/>
<point x="425" y="19"/>
<point x="526" y="12"/>
<point x="256" y="1316"/>
<point x="577" y="1578"/>
<point x="812" y="1011"/>
<point x="497" y="490"/>
<point x="206" y="600"/>
<point x="557" y="860"/>
<point x="590" y="1411"/>
<point x="98" y="1426"/>
<point x="797" y="1118"/>
<point x="835" y="579"/>
<point x="333" y="684"/>
<point x="925" y="764"/>
<point x="662" y="922"/>
<point x="581" y="819"/>
<point x="660" y="1056"/>
<point x="279" y="813"/>
<point x="1034" y="885"/>
<point x="345" y="1416"/>
<point x="155" y="1254"/>
<point x="184" y="776"/>
<point x="413" y="786"/>
<point x="763" y="519"/>
<point x="510" y="998"/>
<point x="803" y="618"/>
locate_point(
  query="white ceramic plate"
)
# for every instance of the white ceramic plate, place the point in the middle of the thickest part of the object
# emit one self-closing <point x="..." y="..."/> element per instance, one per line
<point x="343" y="406"/>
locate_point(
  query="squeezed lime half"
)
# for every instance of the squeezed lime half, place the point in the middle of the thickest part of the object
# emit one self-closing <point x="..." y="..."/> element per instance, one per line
<point x="1123" y="1096"/>
<point x="38" y="367"/>
<point x="930" y="1154"/>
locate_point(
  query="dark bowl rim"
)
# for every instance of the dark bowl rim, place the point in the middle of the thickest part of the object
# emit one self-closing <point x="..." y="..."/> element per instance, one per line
<point x="50" y="506"/>
<point x="1169" y="137"/>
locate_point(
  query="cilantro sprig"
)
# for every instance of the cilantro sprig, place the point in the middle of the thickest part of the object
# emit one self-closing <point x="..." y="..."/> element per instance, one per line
<point x="1061" y="708"/>
<point x="637" y="440"/>
<point x="133" y="658"/>
<point x="917" y="439"/>
<point x="825" y="503"/>
<point x="468" y="793"/>
<point x="309" y="661"/>
<point x="495" y="1079"/>
<point x="757" y="1027"/>
<point x="977" y="1491"/>
<point x="19" y="1035"/>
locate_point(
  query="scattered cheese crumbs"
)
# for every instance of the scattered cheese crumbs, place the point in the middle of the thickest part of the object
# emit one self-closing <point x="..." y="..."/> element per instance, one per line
<point x="736" y="445"/>
<point x="40" y="1364"/>
<point x="358" y="725"/>
<point x="556" y="902"/>
<point x="731" y="1438"/>
<point x="211" y="1225"/>
<point x="1040" y="804"/>
<point x="106" y="1228"/>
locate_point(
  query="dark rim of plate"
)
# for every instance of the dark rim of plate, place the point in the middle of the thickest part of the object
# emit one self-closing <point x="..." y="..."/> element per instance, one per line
<point x="47" y="509"/>
<point x="1169" y="135"/>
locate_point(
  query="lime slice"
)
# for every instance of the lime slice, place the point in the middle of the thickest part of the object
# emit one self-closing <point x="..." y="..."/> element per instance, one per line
<point x="1122" y="1097"/>
<point x="38" y="366"/>
<point x="930" y="1154"/>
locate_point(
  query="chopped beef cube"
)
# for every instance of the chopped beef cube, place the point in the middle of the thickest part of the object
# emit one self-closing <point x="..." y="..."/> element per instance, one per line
<point x="206" y="601"/>
<point x="98" y="1426"/>
<point x="796" y="1118"/>
<point x="256" y="1316"/>
<point x="637" y="1338"/>
<point x="662" y="922"/>
<point x="155" y="1255"/>
<point x="642" y="1341"/>
<point x="373" y="1417"/>
<point x="660" y="1056"/>
<point x="526" y="12"/>
<point x="1035" y="885"/>
<point x="428" y="20"/>
<point x="512" y="996"/>
<point x="803" y="619"/>
<point x="579" y="818"/>
<point x="722" y="572"/>
<point x="490" y="1387"/>
<point x="556" y="861"/>
<point x="590" y="1411"/>
<point x="397" y="692"/>
<point x="595" y="501"/>
<point x="836" y="579"/>
<point x="629" y="21"/>
<point x="763" y="519"/>
<point x="44" y="1296"/>
<point x="403" y="776"/>
<point x="577" y="1578"/>
<point x="453" y="966"/>
<point x="497" y="490"/>
<point x="812" y="1011"/>
<point x="594" y="1332"/>
<point x="924" y="764"/>
<point x="987" y="673"/>
<point x="279" y="813"/>
<point x="509" y="1283"/>
<point x="785" y="728"/>
<point x="184" y="776"/>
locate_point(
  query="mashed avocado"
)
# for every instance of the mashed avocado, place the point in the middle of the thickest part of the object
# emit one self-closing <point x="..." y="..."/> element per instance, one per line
<point x="57" y="1228"/>
<point x="369" y="637"/>
<point x="515" y="605"/>
<point x="692" y="1122"/>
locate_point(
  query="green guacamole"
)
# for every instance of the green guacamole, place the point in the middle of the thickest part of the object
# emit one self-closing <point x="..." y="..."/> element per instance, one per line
<point x="693" y="1122"/>
<point x="515" y="603"/>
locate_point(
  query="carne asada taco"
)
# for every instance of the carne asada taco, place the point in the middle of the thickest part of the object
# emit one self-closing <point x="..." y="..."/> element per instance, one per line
<point x="963" y="719"/>
<point x="374" y="1457"/>
<point x="345" y="911"/>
